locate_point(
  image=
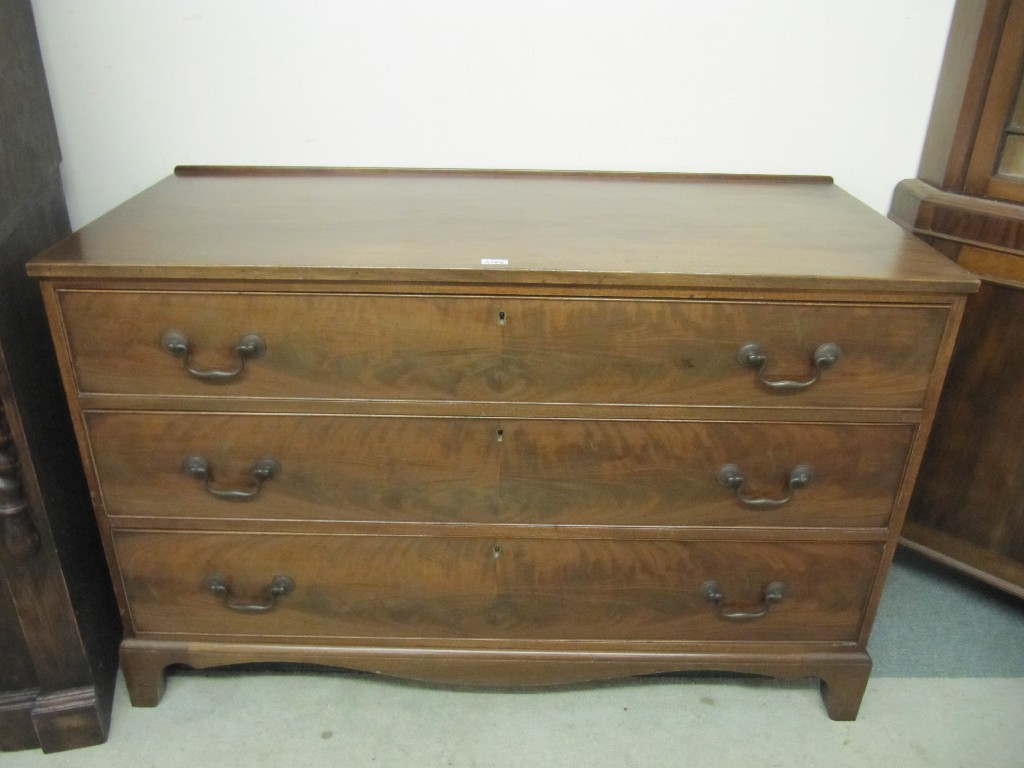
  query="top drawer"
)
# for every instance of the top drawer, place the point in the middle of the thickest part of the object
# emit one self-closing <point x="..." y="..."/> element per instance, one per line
<point x="498" y="349"/>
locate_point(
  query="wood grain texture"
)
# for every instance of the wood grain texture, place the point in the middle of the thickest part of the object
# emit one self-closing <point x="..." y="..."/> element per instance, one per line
<point x="264" y="171"/>
<point x="960" y="96"/>
<point x="457" y="349"/>
<point x="16" y="674"/>
<point x="58" y="623"/>
<point x="665" y="473"/>
<point x="16" y="728"/>
<point x="1001" y="90"/>
<point x="491" y="472"/>
<point x="843" y="675"/>
<point x="350" y="469"/>
<point x="452" y="588"/>
<point x="497" y="471"/>
<point x="432" y="226"/>
<point x="982" y="397"/>
<point x="53" y="572"/>
<point x="993" y="266"/>
<point x="966" y="507"/>
<point x="958" y="219"/>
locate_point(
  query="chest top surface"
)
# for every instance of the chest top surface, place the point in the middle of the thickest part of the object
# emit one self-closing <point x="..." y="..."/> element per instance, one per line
<point x="490" y="227"/>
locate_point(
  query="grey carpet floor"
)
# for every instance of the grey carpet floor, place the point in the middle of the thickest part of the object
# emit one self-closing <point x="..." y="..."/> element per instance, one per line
<point x="936" y="622"/>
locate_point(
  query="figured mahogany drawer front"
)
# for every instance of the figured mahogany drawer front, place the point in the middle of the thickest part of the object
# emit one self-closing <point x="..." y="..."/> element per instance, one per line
<point x="511" y="471"/>
<point x="499" y="349"/>
<point x="490" y="588"/>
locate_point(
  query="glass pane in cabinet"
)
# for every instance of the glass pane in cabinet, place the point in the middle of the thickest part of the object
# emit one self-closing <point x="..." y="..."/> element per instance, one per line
<point x="1017" y="116"/>
<point x="1012" y="157"/>
<point x="1012" y="161"/>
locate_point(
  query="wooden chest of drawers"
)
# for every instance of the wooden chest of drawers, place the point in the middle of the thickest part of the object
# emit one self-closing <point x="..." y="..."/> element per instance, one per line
<point x="500" y="428"/>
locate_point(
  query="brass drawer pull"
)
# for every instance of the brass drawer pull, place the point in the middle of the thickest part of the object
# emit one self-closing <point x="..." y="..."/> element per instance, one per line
<point x="750" y="355"/>
<point x="264" y="469"/>
<point x="732" y="477"/>
<point x="249" y="347"/>
<point x="279" y="586"/>
<point x="773" y="593"/>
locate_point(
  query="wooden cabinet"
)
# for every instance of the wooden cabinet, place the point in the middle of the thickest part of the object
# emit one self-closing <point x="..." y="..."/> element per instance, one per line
<point x="500" y="428"/>
<point x="968" y="510"/>
<point x="993" y="33"/>
<point x="58" y="623"/>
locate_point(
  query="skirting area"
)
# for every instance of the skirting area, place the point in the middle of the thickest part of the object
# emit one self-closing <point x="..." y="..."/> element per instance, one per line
<point x="948" y="690"/>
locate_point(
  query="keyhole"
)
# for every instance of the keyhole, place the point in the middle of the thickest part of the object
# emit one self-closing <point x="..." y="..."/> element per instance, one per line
<point x="501" y="317"/>
<point x="496" y="552"/>
<point x="501" y="435"/>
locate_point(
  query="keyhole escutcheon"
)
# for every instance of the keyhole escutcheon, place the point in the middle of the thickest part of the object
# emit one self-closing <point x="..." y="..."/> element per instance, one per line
<point x="501" y="317"/>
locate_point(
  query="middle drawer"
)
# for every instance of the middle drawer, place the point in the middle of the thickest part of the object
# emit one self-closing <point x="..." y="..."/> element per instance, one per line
<point x="496" y="471"/>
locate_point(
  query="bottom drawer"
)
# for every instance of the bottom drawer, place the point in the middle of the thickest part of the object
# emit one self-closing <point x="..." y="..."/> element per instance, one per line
<point x="347" y="586"/>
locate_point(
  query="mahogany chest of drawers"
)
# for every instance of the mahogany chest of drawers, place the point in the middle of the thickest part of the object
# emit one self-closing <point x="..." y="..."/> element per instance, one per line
<point x="500" y="427"/>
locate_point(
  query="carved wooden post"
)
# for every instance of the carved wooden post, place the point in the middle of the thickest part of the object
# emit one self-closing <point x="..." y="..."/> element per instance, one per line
<point x="17" y="531"/>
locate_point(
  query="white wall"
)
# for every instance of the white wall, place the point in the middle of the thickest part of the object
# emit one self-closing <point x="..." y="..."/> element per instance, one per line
<point x="840" y="87"/>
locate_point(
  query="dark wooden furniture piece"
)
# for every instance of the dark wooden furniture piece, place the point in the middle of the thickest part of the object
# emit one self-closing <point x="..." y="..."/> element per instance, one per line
<point x="968" y="509"/>
<point x="58" y="622"/>
<point x="501" y="428"/>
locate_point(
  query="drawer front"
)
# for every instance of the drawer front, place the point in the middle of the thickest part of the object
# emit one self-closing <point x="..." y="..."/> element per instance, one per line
<point x="520" y="589"/>
<point x="329" y="467"/>
<point x="674" y="473"/>
<point x="512" y="471"/>
<point x="499" y="349"/>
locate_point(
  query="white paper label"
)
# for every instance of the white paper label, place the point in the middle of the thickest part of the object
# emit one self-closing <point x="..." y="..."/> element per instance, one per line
<point x="494" y="262"/>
